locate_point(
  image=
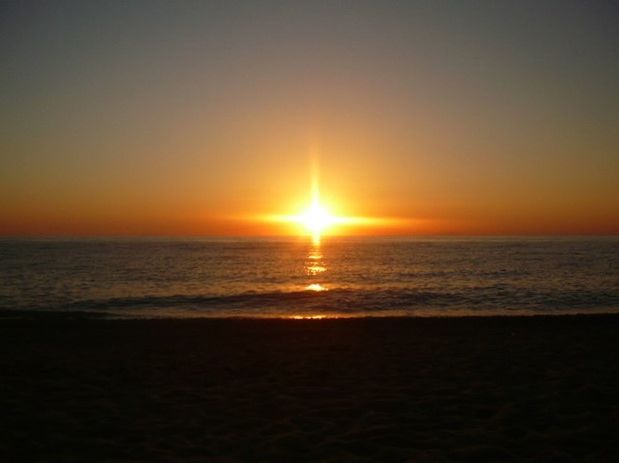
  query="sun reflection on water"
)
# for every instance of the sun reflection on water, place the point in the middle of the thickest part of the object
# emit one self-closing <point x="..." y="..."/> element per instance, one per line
<point x="310" y="317"/>
<point x="314" y="267"/>
<point x="315" y="287"/>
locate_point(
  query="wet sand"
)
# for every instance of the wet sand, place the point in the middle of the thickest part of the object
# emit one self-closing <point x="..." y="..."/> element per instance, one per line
<point x="541" y="389"/>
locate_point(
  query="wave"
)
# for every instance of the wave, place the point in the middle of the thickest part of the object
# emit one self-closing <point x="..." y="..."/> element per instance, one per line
<point x="351" y="301"/>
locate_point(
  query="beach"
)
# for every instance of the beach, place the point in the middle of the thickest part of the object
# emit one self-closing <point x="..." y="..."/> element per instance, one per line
<point x="535" y="389"/>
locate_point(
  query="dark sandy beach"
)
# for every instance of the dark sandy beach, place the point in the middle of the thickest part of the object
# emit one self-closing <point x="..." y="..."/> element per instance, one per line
<point x="540" y="389"/>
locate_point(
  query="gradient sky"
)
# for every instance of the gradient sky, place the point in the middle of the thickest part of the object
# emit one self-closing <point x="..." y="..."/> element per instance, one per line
<point x="190" y="118"/>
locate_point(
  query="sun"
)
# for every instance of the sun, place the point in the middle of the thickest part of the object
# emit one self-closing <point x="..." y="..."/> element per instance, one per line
<point x="316" y="219"/>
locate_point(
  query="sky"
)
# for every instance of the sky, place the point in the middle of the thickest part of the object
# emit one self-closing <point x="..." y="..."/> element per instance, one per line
<point x="199" y="118"/>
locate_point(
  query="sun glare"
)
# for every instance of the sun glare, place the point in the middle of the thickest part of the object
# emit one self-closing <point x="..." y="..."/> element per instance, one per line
<point x="316" y="219"/>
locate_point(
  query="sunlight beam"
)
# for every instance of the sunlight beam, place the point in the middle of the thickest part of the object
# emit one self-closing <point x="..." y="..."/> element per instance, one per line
<point x="317" y="219"/>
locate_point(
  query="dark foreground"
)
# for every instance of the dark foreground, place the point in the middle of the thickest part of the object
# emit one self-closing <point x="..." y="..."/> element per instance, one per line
<point x="385" y="390"/>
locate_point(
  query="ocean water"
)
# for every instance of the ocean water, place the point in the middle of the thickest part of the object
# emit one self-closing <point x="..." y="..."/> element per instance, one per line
<point x="297" y="278"/>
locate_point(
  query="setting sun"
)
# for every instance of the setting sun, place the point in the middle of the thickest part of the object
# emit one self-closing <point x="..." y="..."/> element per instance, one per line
<point x="317" y="218"/>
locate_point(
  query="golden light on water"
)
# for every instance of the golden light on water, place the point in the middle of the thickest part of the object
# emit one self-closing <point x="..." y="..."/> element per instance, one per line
<point x="315" y="287"/>
<point x="311" y="317"/>
<point x="315" y="268"/>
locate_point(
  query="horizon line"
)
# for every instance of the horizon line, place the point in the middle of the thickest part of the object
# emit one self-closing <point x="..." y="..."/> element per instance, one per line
<point x="304" y="237"/>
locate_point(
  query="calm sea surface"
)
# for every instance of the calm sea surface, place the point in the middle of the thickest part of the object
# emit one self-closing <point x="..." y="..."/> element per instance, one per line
<point x="295" y="278"/>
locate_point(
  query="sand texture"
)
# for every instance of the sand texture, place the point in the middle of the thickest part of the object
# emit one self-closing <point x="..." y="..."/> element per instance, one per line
<point x="537" y="389"/>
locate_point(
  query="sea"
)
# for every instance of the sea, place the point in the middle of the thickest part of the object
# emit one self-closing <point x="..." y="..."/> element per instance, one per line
<point x="301" y="278"/>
